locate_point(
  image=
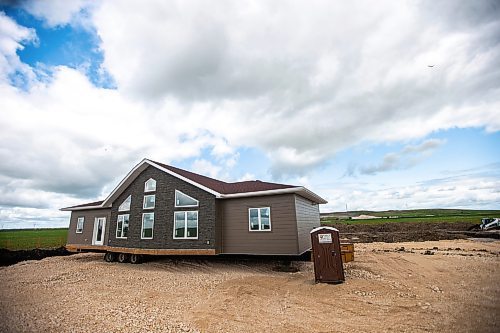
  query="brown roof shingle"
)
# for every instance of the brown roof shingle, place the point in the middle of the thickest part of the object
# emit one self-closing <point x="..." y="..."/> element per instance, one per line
<point x="223" y="187"/>
<point x="211" y="183"/>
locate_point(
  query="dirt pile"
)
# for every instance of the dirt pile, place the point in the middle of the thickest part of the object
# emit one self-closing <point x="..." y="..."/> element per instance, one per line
<point x="404" y="232"/>
<point x="8" y="257"/>
<point x="389" y="287"/>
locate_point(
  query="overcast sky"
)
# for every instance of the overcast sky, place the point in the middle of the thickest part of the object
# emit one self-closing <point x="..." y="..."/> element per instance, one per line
<point x="386" y="105"/>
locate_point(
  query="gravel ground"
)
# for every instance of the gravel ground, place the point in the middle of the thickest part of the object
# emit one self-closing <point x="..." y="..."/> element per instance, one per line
<point x="389" y="288"/>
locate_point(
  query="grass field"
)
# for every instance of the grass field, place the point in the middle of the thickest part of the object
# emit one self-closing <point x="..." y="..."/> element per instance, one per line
<point x="53" y="238"/>
<point x="411" y="216"/>
<point x="32" y="239"/>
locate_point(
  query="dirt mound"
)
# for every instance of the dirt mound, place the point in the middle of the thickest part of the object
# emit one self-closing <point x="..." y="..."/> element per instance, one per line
<point x="403" y="232"/>
<point x="8" y="257"/>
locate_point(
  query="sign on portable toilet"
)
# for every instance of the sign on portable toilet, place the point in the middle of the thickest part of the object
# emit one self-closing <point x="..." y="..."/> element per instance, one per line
<point x="328" y="266"/>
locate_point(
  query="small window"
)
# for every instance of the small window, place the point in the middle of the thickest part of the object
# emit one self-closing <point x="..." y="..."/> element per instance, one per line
<point x="259" y="219"/>
<point x="122" y="226"/>
<point x="149" y="202"/>
<point x="150" y="185"/>
<point x="125" y="206"/>
<point x="79" y="225"/>
<point x="186" y="225"/>
<point x="148" y="221"/>
<point x="184" y="200"/>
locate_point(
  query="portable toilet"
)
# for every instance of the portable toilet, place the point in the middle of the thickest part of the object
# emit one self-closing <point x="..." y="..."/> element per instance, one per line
<point x="326" y="252"/>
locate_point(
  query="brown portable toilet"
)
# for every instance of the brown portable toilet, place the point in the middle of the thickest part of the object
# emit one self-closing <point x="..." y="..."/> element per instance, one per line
<point x="328" y="266"/>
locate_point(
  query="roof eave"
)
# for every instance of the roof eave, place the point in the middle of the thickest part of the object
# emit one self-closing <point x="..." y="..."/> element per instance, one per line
<point x="302" y="191"/>
<point x="306" y="193"/>
<point x="70" y="209"/>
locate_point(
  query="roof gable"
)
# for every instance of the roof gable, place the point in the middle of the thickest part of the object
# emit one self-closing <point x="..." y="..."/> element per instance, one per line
<point x="216" y="187"/>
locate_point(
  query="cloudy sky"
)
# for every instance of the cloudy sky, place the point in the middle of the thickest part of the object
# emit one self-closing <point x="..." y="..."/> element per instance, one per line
<point x="387" y="106"/>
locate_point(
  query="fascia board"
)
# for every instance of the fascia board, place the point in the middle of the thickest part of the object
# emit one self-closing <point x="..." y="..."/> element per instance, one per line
<point x="299" y="190"/>
<point x="69" y="209"/>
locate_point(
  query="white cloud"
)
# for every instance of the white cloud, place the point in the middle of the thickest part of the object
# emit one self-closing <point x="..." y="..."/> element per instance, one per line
<point x="464" y="190"/>
<point x="13" y="37"/>
<point x="246" y="176"/>
<point x="308" y="81"/>
<point x="206" y="168"/>
<point x="57" y="12"/>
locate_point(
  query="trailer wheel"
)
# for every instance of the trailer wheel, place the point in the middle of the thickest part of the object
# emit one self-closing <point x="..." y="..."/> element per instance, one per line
<point x="135" y="258"/>
<point x="122" y="257"/>
<point x="109" y="257"/>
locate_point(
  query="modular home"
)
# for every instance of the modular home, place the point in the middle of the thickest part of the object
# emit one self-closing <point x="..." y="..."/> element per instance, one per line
<point x="158" y="209"/>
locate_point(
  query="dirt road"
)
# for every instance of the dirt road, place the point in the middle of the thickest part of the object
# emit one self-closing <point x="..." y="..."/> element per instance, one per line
<point x="388" y="289"/>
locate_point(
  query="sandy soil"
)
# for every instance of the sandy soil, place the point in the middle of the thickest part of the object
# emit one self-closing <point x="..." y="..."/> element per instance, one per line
<point x="388" y="289"/>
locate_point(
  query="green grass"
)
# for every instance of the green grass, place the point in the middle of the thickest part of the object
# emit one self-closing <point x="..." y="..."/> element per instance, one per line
<point x="411" y="216"/>
<point x="32" y="239"/>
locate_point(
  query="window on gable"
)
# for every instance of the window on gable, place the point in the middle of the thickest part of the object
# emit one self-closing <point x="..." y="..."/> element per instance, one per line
<point x="186" y="225"/>
<point x="184" y="200"/>
<point x="79" y="225"/>
<point x="149" y="202"/>
<point x="150" y="185"/>
<point x="125" y="206"/>
<point x="122" y="226"/>
<point x="148" y="221"/>
<point x="259" y="219"/>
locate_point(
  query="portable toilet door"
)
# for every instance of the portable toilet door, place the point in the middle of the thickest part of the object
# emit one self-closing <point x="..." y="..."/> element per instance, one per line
<point x="328" y="266"/>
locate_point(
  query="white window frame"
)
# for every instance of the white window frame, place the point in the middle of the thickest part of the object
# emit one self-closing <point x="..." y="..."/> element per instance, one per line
<point x="260" y="221"/>
<point x="152" y="227"/>
<point x="185" y="224"/>
<point x="81" y="218"/>
<point x="146" y="185"/>
<point x="118" y="221"/>
<point x="120" y="209"/>
<point x="144" y="201"/>
<point x="185" y="206"/>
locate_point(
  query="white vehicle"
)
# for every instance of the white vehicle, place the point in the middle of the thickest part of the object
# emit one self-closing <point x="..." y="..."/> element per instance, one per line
<point x="489" y="223"/>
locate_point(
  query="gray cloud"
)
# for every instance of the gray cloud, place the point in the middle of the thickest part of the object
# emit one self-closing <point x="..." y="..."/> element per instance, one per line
<point x="408" y="157"/>
<point x="313" y="80"/>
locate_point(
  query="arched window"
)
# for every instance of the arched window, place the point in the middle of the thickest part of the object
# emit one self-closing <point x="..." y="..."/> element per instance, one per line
<point x="150" y="185"/>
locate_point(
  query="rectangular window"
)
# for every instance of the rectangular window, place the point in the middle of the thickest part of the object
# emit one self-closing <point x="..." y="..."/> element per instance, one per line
<point x="148" y="221"/>
<point x="122" y="226"/>
<point x="259" y="219"/>
<point x="186" y="225"/>
<point x="149" y="202"/>
<point x="79" y="225"/>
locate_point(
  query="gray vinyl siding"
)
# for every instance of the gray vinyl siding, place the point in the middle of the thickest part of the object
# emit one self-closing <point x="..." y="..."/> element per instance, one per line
<point x="236" y="237"/>
<point x="307" y="219"/>
<point x="85" y="238"/>
<point x="166" y="185"/>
